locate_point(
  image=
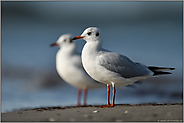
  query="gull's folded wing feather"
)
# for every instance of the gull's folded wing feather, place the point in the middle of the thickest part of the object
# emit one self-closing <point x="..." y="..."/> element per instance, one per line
<point x="121" y="64"/>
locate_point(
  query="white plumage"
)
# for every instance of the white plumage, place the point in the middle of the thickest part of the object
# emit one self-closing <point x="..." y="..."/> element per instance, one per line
<point x="69" y="66"/>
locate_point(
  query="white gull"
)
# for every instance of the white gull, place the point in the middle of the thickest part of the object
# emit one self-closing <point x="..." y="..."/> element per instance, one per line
<point x="111" y="68"/>
<point x="69" y="67"/>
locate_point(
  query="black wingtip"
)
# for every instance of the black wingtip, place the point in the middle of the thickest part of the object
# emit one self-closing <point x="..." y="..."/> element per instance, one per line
<point x="160" y="73"/>
<point x="160" y="70"/>
<point x="172" y="68"/>
<point x="152" y="68"/>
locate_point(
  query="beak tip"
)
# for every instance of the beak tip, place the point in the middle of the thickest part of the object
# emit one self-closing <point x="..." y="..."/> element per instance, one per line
<point x="74" y="38"/>
<point x="53" y="44"/>
<point x="78" y="37"/>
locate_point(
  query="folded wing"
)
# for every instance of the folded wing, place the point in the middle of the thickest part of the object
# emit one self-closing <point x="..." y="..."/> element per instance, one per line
<point x="122" y="65"/>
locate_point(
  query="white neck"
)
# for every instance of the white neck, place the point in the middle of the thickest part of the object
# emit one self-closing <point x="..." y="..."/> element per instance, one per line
<point x="90" y="51"/>
<point x="69" y="49"/>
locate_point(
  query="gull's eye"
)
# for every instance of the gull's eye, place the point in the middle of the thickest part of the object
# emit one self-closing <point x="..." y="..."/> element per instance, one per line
<point x="89" y="33"/>
<point x="97" y="34"/>
<point x="64" y="40"/>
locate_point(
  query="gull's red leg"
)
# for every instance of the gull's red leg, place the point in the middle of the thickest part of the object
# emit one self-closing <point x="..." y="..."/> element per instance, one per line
<point x="79" y="97"/>
<point x="108" y="94"/>
<point x="85" y="96"/>
<point x="114" y="92"/>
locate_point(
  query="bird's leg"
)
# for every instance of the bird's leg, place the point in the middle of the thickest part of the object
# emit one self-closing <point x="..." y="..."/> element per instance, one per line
<point x="85" y="96"/>
<point x="79" y="97"/>
<point x="108" y="94"/>
<point x="114" y="92"/>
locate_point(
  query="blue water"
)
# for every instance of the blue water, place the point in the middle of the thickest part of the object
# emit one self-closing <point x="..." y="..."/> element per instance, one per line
<point x="143" y="31"/>
<point x="18" y="94"/>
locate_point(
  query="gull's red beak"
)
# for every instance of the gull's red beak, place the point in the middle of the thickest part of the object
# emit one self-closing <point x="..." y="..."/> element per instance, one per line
<point x="54" y="44"/>
<point x="78" y="37"/>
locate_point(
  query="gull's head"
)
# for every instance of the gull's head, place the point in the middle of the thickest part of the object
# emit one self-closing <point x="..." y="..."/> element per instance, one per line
<point x="91" y="34"/>
<point x="63" y="41"/>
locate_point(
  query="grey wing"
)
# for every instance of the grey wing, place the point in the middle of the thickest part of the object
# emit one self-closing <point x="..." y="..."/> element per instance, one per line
<point x="122" y="65"/>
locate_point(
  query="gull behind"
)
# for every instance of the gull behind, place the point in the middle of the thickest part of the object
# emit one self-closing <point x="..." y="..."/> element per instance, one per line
<point x="111" y="68"/>
<point x="69" y="67"/>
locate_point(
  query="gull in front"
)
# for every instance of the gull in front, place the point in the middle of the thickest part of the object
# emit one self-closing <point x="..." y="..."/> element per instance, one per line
<point x="112" y="68"/>
<point x="69" y="67"/>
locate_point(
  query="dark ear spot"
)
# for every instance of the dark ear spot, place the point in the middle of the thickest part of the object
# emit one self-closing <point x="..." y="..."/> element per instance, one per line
<point x="97" y="34"/>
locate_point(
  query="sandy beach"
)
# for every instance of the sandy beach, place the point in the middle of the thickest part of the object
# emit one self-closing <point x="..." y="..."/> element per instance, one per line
<point x="119" y="113"/>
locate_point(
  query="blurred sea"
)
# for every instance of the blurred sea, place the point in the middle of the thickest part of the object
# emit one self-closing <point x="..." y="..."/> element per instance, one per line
<point x="146" y="32"/>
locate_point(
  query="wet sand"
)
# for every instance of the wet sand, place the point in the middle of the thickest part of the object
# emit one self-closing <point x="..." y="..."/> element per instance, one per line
<point x="119" y="113"/>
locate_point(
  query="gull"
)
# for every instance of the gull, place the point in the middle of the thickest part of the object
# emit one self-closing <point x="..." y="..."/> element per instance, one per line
<point x="69" y="67"/>
<point x="112" y="68"/>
